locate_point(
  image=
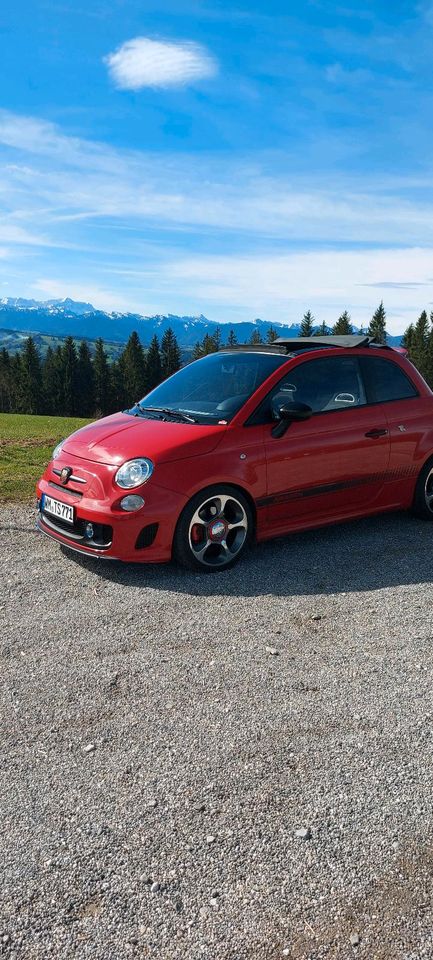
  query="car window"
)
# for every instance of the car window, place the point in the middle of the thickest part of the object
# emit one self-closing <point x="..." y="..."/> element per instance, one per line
<point x="386" y="381"/>
<point x="325" y="384"/>
<point x="213" y="388"/>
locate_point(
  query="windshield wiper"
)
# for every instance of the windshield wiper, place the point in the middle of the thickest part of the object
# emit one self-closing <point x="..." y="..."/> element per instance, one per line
<point x="167" y="412"/>
<point x="140" y="407"/>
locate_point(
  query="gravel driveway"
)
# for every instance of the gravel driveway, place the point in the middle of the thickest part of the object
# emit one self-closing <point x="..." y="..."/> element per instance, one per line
<point x="165" y="735"/>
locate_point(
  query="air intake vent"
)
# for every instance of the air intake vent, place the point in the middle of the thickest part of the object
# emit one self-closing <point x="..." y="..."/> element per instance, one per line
<point x="146" y="536"/>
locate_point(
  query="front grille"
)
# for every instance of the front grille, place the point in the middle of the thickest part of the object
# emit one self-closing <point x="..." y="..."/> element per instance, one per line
<point x="146" y="536"/>
<point x="102" y="533"/>
<point x="58" y="486"/>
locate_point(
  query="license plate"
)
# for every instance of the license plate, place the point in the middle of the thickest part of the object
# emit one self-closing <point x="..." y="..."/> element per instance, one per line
<point x="58" y="509"/>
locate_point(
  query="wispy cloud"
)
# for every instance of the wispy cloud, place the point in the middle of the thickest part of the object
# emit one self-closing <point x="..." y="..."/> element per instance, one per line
<point x="283" y="286"/>
<point x="143" y="62"/>
<point x="397" y="284"/>
<point x="68" y="179"/>
<point x="123" y="220"/>
<point x="101" y="297"/>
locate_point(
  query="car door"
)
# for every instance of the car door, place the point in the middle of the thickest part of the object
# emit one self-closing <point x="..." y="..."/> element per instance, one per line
<point x="407" y="414"/>
<point x="333" y="464"/>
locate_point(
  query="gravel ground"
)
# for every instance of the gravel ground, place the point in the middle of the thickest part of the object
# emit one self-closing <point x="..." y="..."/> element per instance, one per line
<point x="166" y="734"/>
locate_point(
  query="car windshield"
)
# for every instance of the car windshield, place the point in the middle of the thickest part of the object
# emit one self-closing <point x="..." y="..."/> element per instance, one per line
<point x="212" y="389"/>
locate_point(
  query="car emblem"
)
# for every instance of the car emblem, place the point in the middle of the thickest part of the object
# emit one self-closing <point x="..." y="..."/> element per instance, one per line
<point x="65" y="473"/>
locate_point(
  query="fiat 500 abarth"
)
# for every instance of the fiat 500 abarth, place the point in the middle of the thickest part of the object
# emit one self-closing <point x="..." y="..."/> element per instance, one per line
<point x="246" y="444"/>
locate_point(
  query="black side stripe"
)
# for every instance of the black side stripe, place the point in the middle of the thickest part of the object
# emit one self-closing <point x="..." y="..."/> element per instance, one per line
<point x="388" y="476"/>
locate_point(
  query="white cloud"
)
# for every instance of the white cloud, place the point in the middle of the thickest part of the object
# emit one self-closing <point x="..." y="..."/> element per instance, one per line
<point x="101" y="298"/>
<point x="14" y="234"/>
<point x="155" y="63"/>
<point x="120" y="222"/>
<point x="282" y="287"/>
<point x="70" y="179"/>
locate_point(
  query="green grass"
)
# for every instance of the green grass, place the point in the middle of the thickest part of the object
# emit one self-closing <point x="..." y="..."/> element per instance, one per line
<point x="26" y="444"/>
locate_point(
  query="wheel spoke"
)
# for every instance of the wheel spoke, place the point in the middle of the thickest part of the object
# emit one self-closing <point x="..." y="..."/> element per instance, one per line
<point x="239" y="525"/>
<point x="201" y="552"/>
<point x="198" y="518"/>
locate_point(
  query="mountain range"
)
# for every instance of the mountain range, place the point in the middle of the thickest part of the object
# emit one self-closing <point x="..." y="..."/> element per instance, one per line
<point x="67" y="317"/>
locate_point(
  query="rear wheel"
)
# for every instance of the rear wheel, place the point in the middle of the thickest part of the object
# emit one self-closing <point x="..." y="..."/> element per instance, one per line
<point x="214" y="529"/>
<point x="423" y="499"/>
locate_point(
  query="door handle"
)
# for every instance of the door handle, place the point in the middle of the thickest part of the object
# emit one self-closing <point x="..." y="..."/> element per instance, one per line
<point x="374" y="434"/>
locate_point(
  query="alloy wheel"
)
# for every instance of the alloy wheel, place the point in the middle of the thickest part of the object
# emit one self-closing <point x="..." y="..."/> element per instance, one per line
<point x="218" y="530"/>
<point x="428" y="491"/>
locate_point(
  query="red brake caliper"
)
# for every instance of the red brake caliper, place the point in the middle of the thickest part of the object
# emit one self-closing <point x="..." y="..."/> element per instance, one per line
<point x="197" y="533"/>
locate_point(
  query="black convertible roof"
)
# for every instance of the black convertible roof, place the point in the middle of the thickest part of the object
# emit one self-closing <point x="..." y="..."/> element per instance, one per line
<point x="308" y="342"/>
<point x="297" y="344"/>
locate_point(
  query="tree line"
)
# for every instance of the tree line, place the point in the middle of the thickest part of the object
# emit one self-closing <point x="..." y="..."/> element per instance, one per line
<point x="71" y="382"/>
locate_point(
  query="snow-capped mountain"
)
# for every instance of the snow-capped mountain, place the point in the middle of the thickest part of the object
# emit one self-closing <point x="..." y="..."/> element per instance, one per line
<point x="65" y="305"/>
<point x="70" y="317"/>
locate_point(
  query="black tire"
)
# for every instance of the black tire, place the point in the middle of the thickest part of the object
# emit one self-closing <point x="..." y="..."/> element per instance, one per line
<point x="214" y="529"/>
<point x="423" y="499"/>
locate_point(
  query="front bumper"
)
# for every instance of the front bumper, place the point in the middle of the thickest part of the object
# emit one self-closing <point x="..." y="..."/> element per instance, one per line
<point x="142" y="536"/>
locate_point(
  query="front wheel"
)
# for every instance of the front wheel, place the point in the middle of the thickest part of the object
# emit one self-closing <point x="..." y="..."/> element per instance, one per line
<point x="423" y="499"/>
<point x="213" y="530"/>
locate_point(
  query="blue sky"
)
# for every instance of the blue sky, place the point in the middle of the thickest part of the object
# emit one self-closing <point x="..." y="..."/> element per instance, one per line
<point x="238" y="160"/>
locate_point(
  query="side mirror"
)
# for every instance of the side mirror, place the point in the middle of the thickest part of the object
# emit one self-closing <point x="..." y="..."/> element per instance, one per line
<point x="289" y="412"/>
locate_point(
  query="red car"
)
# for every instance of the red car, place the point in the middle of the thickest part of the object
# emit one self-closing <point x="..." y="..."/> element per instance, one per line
<point x="246" y="444"/>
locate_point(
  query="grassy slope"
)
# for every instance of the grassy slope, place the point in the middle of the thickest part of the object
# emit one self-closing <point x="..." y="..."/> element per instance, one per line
<point x="26" y="444"/>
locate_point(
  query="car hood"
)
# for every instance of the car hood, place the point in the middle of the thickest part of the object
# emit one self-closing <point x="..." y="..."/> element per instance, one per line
<point x="121" y="437"/>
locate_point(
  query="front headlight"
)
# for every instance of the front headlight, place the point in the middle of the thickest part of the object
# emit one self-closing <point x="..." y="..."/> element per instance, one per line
<point x="133" y="473"/>
<point x="57" y="450"/>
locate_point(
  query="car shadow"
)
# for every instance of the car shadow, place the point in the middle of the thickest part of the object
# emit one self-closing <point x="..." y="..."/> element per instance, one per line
<point x="363" y="555"/>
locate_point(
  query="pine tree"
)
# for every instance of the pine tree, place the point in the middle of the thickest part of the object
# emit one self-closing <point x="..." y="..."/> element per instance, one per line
<point x="343" y="327"/>
<point x="69" y="371"/>
<point x="307" y="325"/>
<point x="30" y="383"/>
<point x="208" y="345"/>
<point x="232" y="338"/>
<point x="419" y="346"/>
<point x="408" y="338"/>
<point x="429" y="359"/>
<point x="52" y="382"/>
<point x="153" y="364"/>
<point x="7" y="393"/>
<point x="85" y="383"/>
<point x="133" y="369"/>
<point x="102" y="379"/>
<point x="117" y="398"/>
<point x="271" y="335"/>
<point x="216" y="337"/>
<point x="16" y="378"/>
<point x="197" y="352"/>
<point x="377" y="327"/>
<point x="170" y="354"/>
<point x="256" y="337"/>
<point x="322" y="330"/>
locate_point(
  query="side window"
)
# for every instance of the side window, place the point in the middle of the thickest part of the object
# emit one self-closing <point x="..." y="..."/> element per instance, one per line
<point x="327" y="384"/>
<point x="386" y="381"/>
